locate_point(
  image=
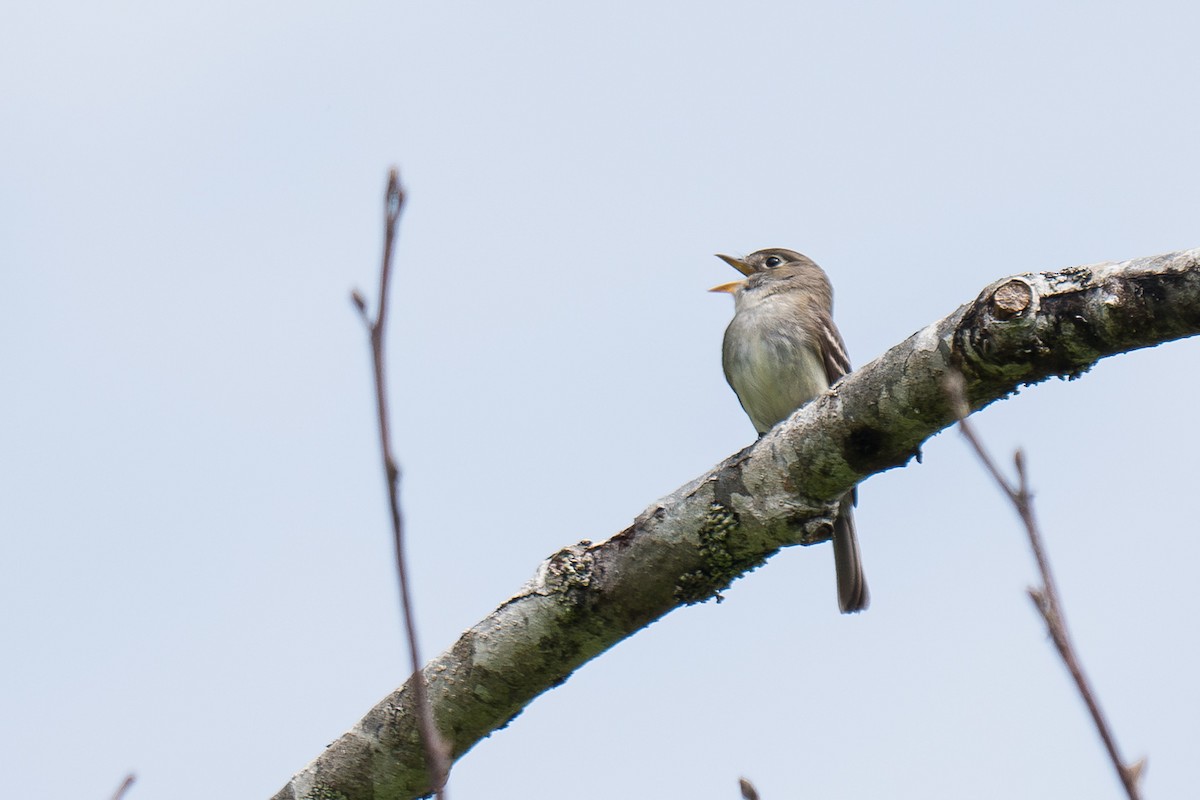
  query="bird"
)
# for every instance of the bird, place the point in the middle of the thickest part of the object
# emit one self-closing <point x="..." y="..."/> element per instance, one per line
<point x="780" y="351"/>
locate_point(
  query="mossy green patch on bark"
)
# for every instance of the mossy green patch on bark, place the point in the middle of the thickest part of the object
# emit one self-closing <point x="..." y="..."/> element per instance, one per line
<point x="724" y="559"/>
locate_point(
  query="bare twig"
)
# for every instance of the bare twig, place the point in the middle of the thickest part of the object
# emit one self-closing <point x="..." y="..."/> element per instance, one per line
<point x="437" y="754"/>
<point x="124" y="787"/>
<point x="1045" y="598"/>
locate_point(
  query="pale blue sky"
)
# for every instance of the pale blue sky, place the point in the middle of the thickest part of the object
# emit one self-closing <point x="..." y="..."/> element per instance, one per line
<point x="194" y="558"/>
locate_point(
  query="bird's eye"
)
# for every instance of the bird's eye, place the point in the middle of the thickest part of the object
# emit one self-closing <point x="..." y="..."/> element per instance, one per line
<point x="772" y="262"/>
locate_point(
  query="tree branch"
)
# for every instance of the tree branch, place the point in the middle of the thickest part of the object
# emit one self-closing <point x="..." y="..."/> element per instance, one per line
<point x="1045" y="599"/>
<point x="119" y="794"/>
<point x="433" y="746"/>
<point x="692" y="544"/>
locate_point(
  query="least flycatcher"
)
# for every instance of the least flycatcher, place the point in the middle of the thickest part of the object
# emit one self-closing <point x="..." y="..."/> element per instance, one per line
<point x="782" y="350"/>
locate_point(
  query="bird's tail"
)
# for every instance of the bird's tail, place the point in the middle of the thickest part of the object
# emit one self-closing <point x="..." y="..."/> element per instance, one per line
<point x="851" y="582"/>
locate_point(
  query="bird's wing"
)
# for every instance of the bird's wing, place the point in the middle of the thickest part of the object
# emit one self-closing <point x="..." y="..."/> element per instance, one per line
<point x="833" y="349"/>
<point x="837" y="363"/>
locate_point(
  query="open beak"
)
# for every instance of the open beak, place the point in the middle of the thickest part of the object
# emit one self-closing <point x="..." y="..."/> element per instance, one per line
<point x="731" y="287"/>
<point x="736" y="263"/>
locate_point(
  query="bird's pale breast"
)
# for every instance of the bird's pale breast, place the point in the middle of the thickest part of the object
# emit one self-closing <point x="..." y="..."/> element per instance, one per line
<point x="770" y="362"/>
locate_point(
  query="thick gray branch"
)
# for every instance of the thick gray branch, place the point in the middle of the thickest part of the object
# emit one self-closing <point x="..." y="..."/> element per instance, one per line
<point x="689" y="546"/>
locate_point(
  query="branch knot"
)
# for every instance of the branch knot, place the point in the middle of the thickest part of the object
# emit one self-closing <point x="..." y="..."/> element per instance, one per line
<point x="1012" y="298"/>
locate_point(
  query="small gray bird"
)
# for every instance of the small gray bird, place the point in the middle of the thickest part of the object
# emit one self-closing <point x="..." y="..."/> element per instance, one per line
<point x="782" y="350"/>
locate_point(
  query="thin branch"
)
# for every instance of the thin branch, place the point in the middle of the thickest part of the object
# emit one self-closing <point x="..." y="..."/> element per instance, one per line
<point x="124" y="787"/>
<point x="437" y="754"/>
<point x="1046" y="598"/>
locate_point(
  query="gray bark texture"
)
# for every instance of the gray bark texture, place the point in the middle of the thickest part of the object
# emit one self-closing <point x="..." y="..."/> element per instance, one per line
<point x="783" y="490"/>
